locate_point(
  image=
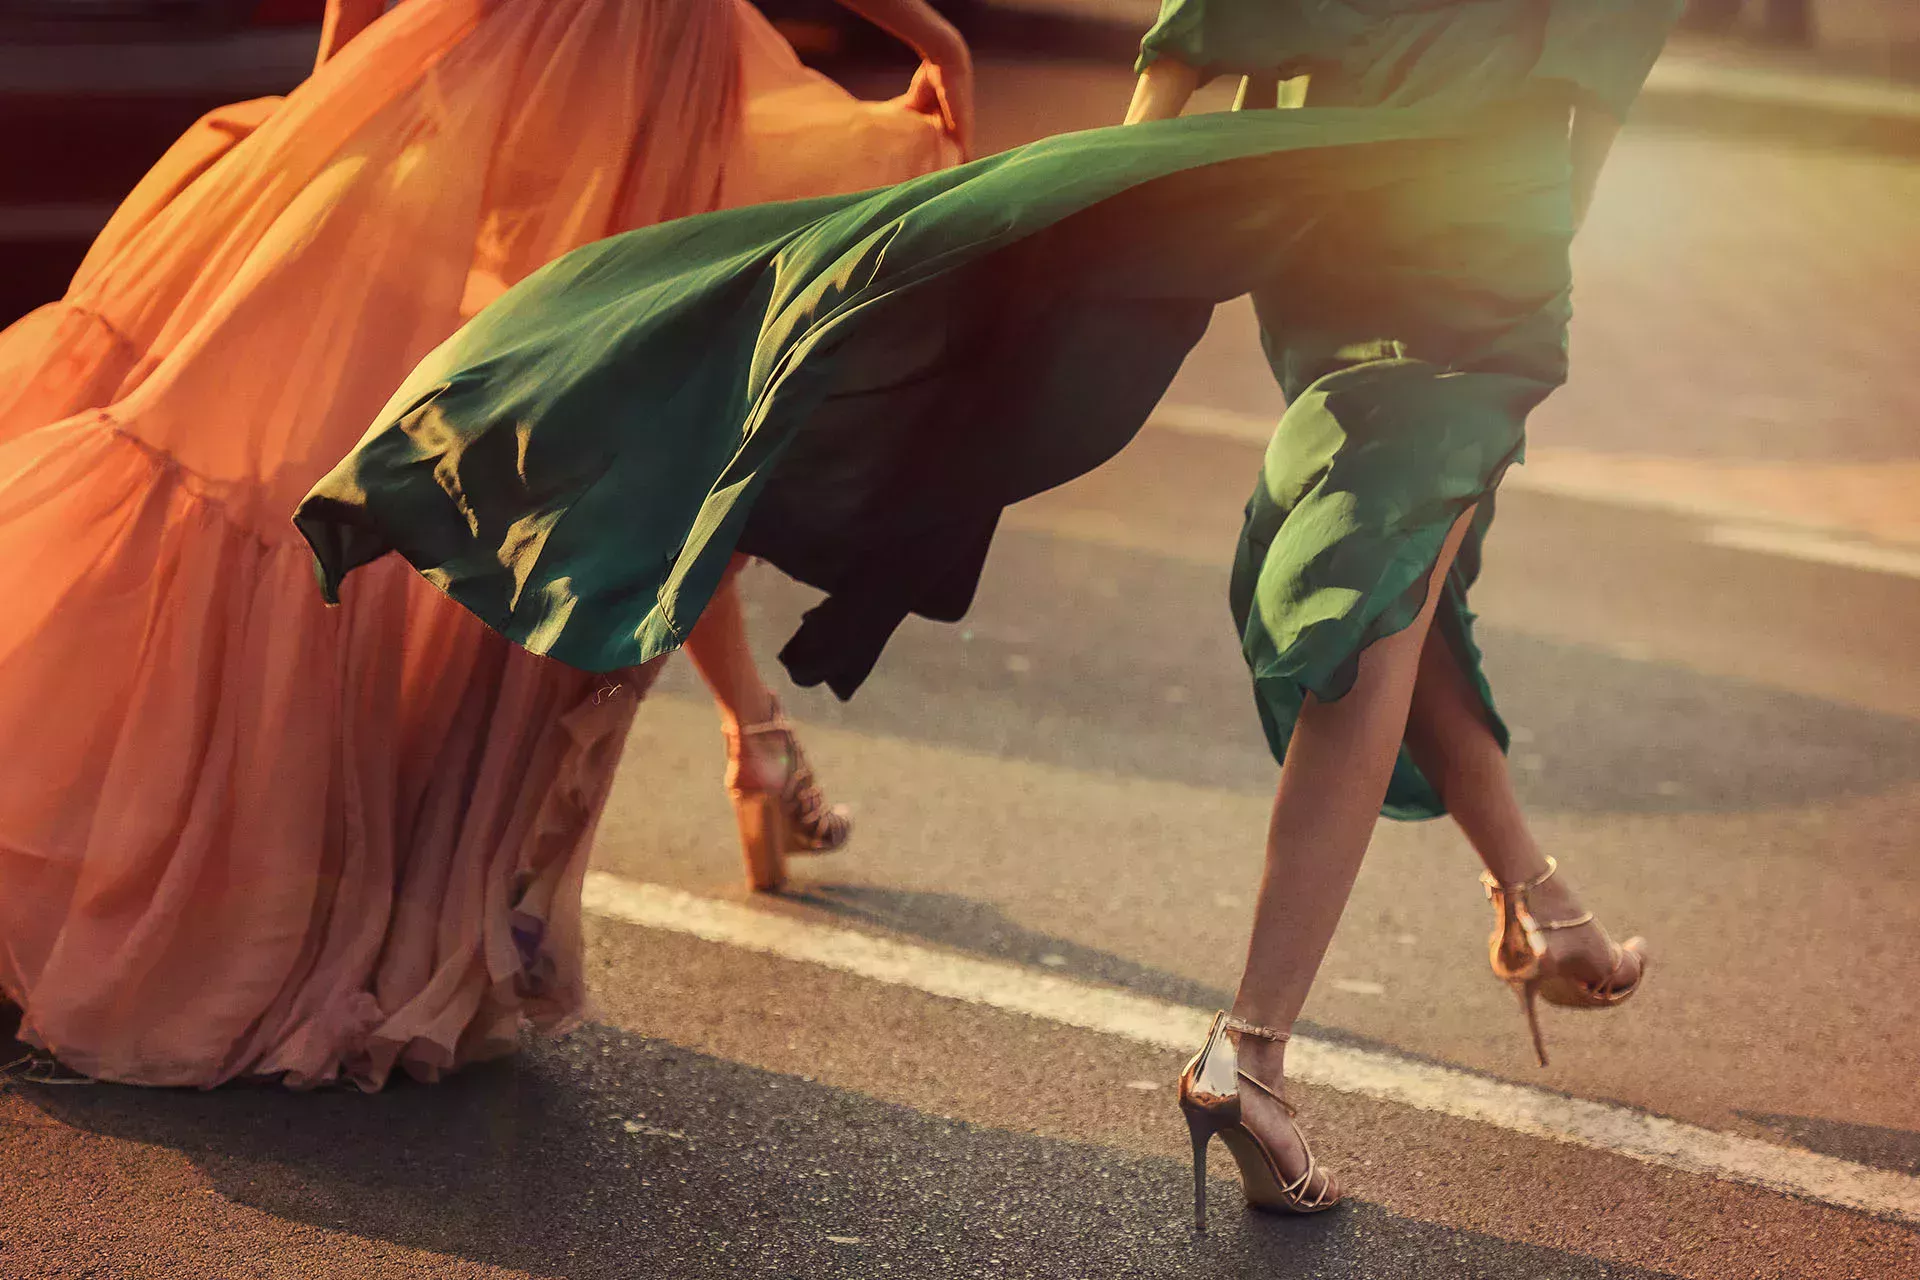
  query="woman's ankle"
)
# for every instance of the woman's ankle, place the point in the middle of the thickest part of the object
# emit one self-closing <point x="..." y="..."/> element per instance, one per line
<point x="747" y="709"/>
<point x="1555" y="899"/>
<point x="1258" y="1055"/>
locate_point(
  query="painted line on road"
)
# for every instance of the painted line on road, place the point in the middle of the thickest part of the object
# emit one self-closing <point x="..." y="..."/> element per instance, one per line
<point x="1816" y="548"/>
<point x="1848" y="95"/>
<point x="1447" y="1091"/>
<point x="1572" y="474"/>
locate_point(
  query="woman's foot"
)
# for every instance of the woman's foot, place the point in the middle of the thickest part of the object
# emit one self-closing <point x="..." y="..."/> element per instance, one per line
<point x="759" y="761"/>
<point x="1264" y="1113"/>
<point x="778" y="804"/>
<point x="1231" y="1090"/>
<point x="1583" y="953"/>
<point x="1546" y="948"/>
<point x="764" y="759"/>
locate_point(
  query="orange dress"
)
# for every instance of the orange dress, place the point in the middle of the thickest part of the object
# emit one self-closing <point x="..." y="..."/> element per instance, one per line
<point x="242" y="833"/>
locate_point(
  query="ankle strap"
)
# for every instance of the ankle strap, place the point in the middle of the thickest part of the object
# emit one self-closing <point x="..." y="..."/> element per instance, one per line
<point x="777" y="723"/>
<point x="1516" y="893"/>
<point x="1273" y="1093"/>
<point x="1257" y="1031"/>
<point x="1584" y="918"/>
<point x="1524" y="886"/>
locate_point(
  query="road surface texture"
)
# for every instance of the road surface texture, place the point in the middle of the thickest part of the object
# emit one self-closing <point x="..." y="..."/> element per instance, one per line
<point x="949" y="1051"/>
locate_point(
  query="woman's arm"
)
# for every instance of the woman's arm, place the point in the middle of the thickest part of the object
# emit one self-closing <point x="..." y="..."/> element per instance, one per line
<point x="1162" y="91"/>
<point x="945" y="79"/>
<point x="1590" y="142"/>
<point x="345" y="19"/>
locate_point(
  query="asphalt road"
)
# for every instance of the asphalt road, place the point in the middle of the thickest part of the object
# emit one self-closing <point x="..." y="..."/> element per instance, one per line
<point x="1722" y="745"/>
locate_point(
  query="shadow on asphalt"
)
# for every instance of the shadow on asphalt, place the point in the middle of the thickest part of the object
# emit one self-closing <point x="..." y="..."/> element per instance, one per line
<point x="960" y="923"/>
<point x="964" y="924"/>
<point x="1897" y="1150"/>
<point x="1055" y="665"/>
<point x="606" y="1155"/>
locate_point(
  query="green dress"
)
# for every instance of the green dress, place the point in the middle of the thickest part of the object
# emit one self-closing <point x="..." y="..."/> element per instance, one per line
<point x="855" y="387"/>
<point x="1392" y="431"/>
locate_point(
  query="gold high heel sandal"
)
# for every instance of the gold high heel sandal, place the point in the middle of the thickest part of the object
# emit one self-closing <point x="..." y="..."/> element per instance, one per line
<point x="793" y="820"/>
<point x="1210" y="1099"/>
<point x="1518" y="951"/>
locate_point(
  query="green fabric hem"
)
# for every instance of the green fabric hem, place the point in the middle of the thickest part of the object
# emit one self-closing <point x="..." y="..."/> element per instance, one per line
<point x="1411" y="796"/>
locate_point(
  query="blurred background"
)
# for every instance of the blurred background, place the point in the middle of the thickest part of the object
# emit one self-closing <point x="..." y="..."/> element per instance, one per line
<point x="91" y="91"/>
<point x="1699" y="610"/>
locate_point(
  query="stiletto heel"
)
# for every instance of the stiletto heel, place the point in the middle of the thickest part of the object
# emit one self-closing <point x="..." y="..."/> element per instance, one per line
<point x="1528" y="990"/>
<point x="1198" y="1130"/>
<point x="1519" y="956"/>
<point x="1210" y="1100"/>
<point x="776" y="824"/>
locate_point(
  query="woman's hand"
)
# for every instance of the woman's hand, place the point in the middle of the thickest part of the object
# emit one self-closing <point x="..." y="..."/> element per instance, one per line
<point x="943" y="86"/>
<point x="1162" y="91"/>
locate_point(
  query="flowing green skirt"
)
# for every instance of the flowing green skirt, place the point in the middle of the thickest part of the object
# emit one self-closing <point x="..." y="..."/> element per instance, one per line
<point x="853" y="388"/>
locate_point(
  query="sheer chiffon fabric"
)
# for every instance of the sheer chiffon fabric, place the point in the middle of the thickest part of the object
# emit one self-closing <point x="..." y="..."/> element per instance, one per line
<point x="242" y="833"/>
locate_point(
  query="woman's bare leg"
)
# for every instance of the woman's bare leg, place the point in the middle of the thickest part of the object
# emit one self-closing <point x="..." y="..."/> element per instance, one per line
<point x="1451" y="740"/>
<point x="719" y="649"/>
<point x="1338" y="764"/>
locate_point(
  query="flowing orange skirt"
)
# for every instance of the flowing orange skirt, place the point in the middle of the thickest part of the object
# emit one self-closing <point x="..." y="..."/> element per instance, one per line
<point x="242" y="833"/>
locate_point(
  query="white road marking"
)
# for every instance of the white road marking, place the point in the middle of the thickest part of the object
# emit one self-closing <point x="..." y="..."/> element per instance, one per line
<point x="1678" y="74"/>
<point x="1445" y="1091"/>
<point x="1818" y="548"/>
<point x="1729" y="523"/>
